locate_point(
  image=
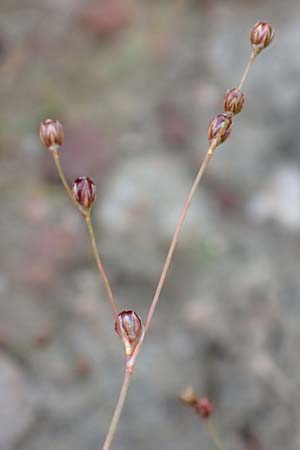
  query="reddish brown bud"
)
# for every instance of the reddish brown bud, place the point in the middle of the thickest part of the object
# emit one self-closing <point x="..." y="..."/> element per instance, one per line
<point x="234" y="101"/>
<point x="188" y="396"/>
<point x="84" y="192"/>
<point x="130" y="328"/>
<point x="204" y="408"/>
<point x="261" y="35"/>
<point x="51" y="134"/>
<point x="219" y="128"/>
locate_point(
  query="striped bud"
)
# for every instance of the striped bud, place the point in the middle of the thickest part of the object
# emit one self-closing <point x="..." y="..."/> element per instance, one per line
<point x="51" y="134"/>
<point x="204" y="408"/>
<point x="130" y="328"/>
<point x="219" y="128"/>
<point x="261" y="35"/>
<point x="234" y="101"/>
<point x="84" y="192"/>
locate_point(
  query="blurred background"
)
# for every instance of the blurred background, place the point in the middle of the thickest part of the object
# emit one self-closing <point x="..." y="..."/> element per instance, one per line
<point x="135" y="84"/>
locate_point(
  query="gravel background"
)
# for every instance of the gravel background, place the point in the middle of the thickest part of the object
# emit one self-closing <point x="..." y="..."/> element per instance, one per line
<point x="136" y="84"/>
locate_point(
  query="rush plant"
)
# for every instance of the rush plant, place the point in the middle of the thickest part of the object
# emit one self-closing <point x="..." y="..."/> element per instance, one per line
<point x="128" y="324"/>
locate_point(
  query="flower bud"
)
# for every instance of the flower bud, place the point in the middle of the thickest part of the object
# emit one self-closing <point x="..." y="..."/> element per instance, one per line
<point x="219" y="128"/>
<point x="188" y="396"/>
<point x="261" y="35"/>
<point x="234" y="101"/>
<point x="130" y="328"/>
<point x="51" y="134"/>
<point x="84" y="192"/>
<point x="204" y="408"/>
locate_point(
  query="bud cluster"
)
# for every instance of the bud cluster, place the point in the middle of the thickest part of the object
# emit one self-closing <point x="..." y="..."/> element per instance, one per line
<point x="220" y="126"/>
<point x="84" y="188"/>
<point x="202" y="406"/>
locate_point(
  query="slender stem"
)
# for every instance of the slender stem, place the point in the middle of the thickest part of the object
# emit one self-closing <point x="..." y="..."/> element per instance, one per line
<point x="87" y="218"/>
<point x="118" y="410"/>
<point x="62" y="177"/>
<point x="185" y="211"/>
<point x="250" y="62"/>
<point x="213" y="434"/>
<point x="176" y="234"/>
<point x="131" y="361"/>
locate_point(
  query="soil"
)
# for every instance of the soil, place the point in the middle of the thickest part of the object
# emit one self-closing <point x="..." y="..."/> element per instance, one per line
<point x="135" y="85"/>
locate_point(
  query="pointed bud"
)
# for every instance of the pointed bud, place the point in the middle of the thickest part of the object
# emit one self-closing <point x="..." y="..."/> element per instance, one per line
<point x="261" y="35"/>
<point x="84" y="192"/>
<point x="219" y="128"/>
<point x="204" y="408"/>
<point x="234" y="101"/>
<point x="51" y="134"/>
<point x="130" y="328"/>
<point x="188" y="396"/>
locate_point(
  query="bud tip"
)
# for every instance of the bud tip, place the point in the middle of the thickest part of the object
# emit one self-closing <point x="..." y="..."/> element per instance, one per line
<point x="51" y="134"/>
<point x="261" y="35"/>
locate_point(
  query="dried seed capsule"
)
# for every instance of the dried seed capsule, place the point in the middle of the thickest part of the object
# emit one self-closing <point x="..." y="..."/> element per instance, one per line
<point x="234" y="101"/>
<point x="51" y="134"/>
<point x="130" y="328"/>
<point x="219" y="128"/>
<point x="204" y="408"/>
<point x="261" y="35"/>
<point x="84" y="192"/>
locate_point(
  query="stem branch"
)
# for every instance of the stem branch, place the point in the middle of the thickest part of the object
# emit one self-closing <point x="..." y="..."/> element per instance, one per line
<point x="118" y="411"/>
<point x="131" y="362"/>
<point x="62" y="177"/>
<point x="248" y="67"/>
<point x="176" y="234"/>
<point x="87" y="218"/>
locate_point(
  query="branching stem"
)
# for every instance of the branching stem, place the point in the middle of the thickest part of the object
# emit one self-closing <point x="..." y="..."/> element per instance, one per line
<point x="131" y="362"/>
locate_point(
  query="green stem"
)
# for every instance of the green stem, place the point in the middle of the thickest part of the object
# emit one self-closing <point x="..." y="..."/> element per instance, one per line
<point x="213" y="434"/>
<point x="63" y="178"/>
